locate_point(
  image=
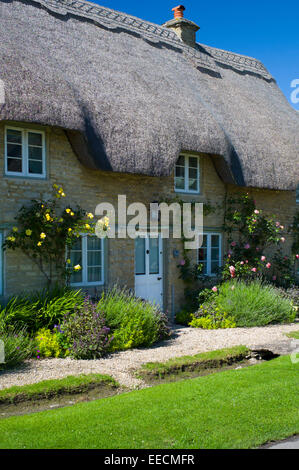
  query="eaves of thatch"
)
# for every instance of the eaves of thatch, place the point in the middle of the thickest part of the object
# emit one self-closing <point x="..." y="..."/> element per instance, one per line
<point x="131" y="96"/>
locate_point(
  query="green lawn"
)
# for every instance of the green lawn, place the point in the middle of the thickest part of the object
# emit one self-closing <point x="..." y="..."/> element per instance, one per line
<point x="234" y="409"/>
<point x="294" y="334"/>
<point x="51" y="388"/>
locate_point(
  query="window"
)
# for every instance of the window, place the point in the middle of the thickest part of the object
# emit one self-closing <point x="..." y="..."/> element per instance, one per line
<point x="88" y="252"/>
<point x="25" y="153"/>
<point x="209" y="255"/>
<point x="1" y="265"/>
<point x="187" y="174"/>
<point x="297" y="194"/>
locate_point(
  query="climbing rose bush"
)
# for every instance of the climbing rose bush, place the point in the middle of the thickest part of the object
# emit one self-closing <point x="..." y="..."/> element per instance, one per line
<point x="44" y="229"/>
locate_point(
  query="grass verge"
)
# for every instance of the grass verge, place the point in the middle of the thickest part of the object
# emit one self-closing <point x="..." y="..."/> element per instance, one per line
<point x="234" y="409"/>
<point x="71" y="385"/>
<point x="294" y="334"/>
<point x="197" y="363"/>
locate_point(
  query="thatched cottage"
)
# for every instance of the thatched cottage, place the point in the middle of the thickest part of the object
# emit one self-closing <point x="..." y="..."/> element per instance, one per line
<point x="104" y="103"/>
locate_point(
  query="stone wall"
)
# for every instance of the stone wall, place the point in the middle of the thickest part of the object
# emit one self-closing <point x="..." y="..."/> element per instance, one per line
<point x="89" y="188"/>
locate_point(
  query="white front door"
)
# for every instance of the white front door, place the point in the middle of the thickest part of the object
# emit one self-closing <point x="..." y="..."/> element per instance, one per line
<point x="149" y="269"/>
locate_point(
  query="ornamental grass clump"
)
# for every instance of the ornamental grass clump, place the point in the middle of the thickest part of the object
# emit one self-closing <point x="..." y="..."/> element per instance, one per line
<point x="18" y="346"/>
<point x="254" y="303"/>
<point x="86" y="332"/>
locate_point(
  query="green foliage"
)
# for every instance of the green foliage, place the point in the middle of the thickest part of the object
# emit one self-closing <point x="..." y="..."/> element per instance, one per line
<point x="18" y="346"/>
<point x="183" y="317"/>
<point x="41" y="309"/>
<point x="133" y="322"/>
<point x="48" y="345"/>
<point x="211" y="317"/>
<point x="44" y="230"/>
<point x="250" y="233"/>
<point x="254" y="303"/>
<point x="85" y="332"/>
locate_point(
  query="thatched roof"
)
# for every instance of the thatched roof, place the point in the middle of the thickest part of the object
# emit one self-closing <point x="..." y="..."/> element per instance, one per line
<point x="131" y="95"/>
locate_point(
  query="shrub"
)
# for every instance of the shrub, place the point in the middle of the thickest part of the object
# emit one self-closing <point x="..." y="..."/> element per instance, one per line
<point x="18" y="346"/>
<point x="40" y="309"/>
<point x="183" y="317"/>
<point x="86" y="332"/>
<point x="48" y="344"/>
<point x="210" y="317"/>
<point x="133" y="322"/>
<point x="254" y="303"/>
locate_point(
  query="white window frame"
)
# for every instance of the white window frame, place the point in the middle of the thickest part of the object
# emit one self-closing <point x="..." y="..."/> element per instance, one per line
<point x="209" y="252"/>
<point x="84" y="266"/>
<point x="1" y="264"/>
<point x="186" y="176"/>
<point x="25" y="159"/>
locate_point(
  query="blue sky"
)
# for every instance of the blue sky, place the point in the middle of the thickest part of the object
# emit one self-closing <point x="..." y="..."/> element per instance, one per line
<point x="265" y="29"/>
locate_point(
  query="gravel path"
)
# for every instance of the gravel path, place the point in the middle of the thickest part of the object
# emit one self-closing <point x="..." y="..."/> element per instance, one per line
<point x="121" y="365"/>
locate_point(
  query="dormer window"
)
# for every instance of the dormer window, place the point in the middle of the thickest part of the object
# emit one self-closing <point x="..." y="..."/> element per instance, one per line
<point x="187" y="174"/>
<point x="25" y="153"/>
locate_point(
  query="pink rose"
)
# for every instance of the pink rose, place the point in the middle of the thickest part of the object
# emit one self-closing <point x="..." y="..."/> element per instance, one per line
<point x="247" y="246"/>
<point x="183" y="262"/>
<point x="263" y="258"/>
<point x="268" y="265"/>
<point x="256" y="212"/>
<point x="242" y="263"/>
<point x="215" y="289"/>
<point x="232" y="271"/>
<point x="277" y="224"/>
<point x="282" y="227"/>
<point x="254" y="221"/>
<point x="274" y="278"/>
<point x="234" y="244"/>
<point x="246" y="261"/>
<point x="297" y="256"/>
<point x="254" y="270"/>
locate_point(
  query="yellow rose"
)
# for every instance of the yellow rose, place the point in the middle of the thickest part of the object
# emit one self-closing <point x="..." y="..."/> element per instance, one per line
<point x="28" y="232"/>
<point x="77" y="268"/>
<point x="68" y="211"/>
<point x="39" y="243"/>
<point x="72" y="214"/>
<point x="11" y="239"/>
<point x="43" y="235"/>
<point x="55" y="186"/>
<point x="70" y="229"/>
<point x="90" y="215"/>
<point x="87" y="226"/>
<point x="68" y="261"/>
<point x="15" y="229"/>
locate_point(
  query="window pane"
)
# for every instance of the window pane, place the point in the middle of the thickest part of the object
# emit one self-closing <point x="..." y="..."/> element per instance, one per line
<point x="297" y="194"/>
<point x="214" y="267"/>
<point x="14" y="165"/>
<point x="94" y="258"/>
<point x="215" y="254"/>
<point x="202" y="254"/>
<point x="181" y="161"/>
<point x="193" y="162"/>
<point x="94" y="243"/>
<point x="35" y="139"/>
<point x="35" y="167"/>
<point x="140" y="256"/>
<point x="14" y="151"/>
<point x="215" y="241"/>
<point x="193" y="179"/>
<point x="94" y="274"/>
<point x="76" y="277"/>
<point x="180" y="177"/>
<point x="154" y="256"/>
<point x="35" y="153"/>
<point x="14" y="136"/>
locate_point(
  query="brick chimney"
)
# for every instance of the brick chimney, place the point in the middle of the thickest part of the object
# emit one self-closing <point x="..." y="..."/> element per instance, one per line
<point x="185" y="29"/>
